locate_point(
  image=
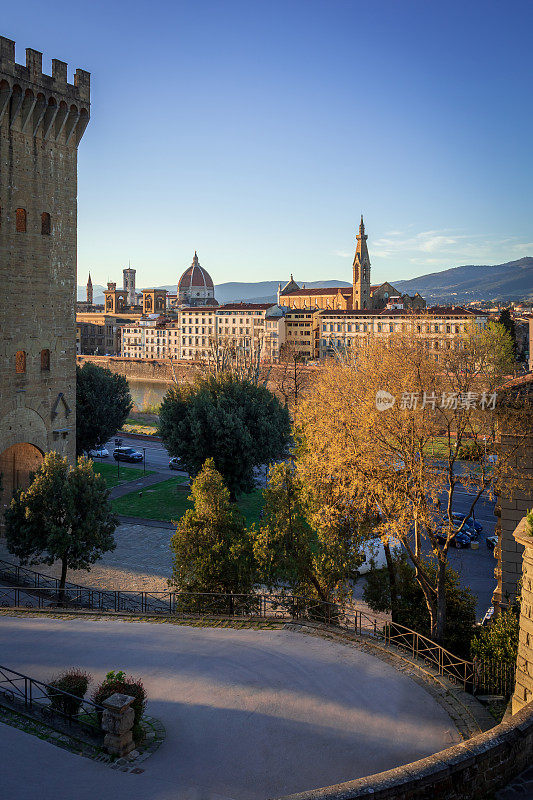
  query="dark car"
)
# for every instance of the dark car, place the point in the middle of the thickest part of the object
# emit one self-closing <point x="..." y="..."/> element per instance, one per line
<point x="175" y="463"/>
<point x="127" y="454"/>
<point x="458" y="540"/>
<point x="470" y="522"/>
<point x="491" y="542"/>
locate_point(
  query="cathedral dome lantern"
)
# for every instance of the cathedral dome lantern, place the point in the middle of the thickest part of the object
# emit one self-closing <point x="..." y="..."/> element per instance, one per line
<point x="195" y="287"/>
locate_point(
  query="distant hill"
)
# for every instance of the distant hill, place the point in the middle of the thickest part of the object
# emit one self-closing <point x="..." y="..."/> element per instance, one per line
<point x="98" y="293"/>
<point x="509" y="281"/>
<point x="513" y="280"/>
<point x="260" y="292"/>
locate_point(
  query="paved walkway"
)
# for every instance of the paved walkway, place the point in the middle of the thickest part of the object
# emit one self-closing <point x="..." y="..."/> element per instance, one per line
<point x="249" y="714"/>
<point x="142" y="560"/>
<point x="137" y="485"/>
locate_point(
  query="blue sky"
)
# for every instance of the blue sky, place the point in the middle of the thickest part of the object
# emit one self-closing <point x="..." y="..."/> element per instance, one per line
<point x="257" y="132"/>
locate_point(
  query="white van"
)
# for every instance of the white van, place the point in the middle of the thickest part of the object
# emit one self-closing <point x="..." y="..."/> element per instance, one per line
<point x="374" y="552"/>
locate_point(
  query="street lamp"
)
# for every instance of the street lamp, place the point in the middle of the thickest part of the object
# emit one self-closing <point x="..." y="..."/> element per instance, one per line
<point x="118" y="442"/>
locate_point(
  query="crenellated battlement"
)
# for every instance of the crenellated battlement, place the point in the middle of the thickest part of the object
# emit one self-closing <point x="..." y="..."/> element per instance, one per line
<point x="42" y="105"/>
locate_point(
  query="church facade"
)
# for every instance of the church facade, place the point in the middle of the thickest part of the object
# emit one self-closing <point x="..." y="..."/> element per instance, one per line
<point x="361" y="296"/>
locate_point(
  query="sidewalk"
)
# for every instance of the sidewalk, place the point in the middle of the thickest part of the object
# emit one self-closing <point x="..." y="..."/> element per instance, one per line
<point x="137" y="484"/>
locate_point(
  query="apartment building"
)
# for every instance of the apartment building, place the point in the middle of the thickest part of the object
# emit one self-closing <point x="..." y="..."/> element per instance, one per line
<point x="338" y="331"/>
<point x="198" y="329"/>
<point x="301" y="332"/>
<point x="151" y="337"/>
<point x="98" y="333"/>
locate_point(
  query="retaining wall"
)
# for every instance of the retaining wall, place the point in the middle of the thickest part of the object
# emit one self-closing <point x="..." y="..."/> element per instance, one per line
<point x="471" y="770"/>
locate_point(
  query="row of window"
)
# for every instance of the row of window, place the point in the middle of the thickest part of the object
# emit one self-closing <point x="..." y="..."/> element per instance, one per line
<point x="21" y="221"/>
<point x="432" y="344"/>
<point x="385" y="327"/>
<point x="21" y="358"/>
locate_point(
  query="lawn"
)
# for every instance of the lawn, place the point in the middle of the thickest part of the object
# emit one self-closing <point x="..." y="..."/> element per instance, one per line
<point x="168" y="500"/>
<point x="109" y="473"/>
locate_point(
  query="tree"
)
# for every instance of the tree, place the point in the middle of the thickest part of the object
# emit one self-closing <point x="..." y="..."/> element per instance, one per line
<point x="243" y="360"/>
<point x="506" y="321"/>
<point x="236" y="423"/>
<point x="304" y="542"/>
<point x="103" y="402"/>
<point x="499" y="640"/>
<point x="63" y="516"/>
<point x="212" y="550"/>
<point x="411" y="609"/>
<point x="370" y="422"/>
<point x="291" y="375"/>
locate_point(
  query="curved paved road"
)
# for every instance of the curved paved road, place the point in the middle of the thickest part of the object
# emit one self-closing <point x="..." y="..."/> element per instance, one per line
<point x="249" y="714"/>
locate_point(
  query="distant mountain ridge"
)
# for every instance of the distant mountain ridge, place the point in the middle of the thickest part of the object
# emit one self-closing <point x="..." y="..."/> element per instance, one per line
<point x="510" y="281"/>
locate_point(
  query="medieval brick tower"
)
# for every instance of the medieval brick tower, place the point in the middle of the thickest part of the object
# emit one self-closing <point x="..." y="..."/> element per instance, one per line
<point x="90" y="291"/>
<point x="128" y="283"/>
<point x="42" y="120"/>
<point x="361" y="271"/>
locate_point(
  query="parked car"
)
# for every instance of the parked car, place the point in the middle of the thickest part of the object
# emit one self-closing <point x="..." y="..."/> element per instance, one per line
<point x="100" y="452"/>
<point x="491" y="542"/>
<point x="127" y="454"/>
<point x="469" y="521"/>
<point x="175" y="463"/>
<point x="458" y="540"/>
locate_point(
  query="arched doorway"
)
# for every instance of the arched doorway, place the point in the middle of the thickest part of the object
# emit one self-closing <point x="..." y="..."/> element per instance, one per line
<point x="17" y="463"/>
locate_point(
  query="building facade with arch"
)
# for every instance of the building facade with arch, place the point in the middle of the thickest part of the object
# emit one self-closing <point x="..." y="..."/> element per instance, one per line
<point x="42" y="120"/>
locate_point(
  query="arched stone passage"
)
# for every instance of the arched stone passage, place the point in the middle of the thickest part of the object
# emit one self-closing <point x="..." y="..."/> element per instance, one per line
<point x="16" y="465"/>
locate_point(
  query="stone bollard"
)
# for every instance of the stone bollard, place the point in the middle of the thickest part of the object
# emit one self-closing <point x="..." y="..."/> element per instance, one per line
<point x="117" y="721"/>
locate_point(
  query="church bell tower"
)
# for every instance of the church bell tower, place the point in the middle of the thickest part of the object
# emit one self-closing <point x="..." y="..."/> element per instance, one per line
<point x="361" y="271"/>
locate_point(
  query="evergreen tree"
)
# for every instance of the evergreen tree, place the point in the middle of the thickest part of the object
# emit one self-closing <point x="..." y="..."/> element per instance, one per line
<point x="103" y="402"/>
<point x="236" y="423"/>
<point x="63" y="516"/>
<point x="305" y="541"/>
<point x="212" y="550"/>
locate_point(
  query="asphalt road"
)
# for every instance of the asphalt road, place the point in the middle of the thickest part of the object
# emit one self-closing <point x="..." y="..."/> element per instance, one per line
<point x="248" y="714"/>
<point x="475" y="567"/>
<point x="156" y="455"/>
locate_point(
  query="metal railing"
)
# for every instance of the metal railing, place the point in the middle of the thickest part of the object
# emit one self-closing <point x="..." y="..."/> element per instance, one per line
<point x="51" y="704"/>
<point x="458" y="669"/>
<point x="41" y="591"/>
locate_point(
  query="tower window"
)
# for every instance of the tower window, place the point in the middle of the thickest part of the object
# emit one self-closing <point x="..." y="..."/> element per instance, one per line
<point x="21" y="220"/>
<point x="45" y="360"/>
<point x="45" y="224"/>
<point x="20" y="362"/>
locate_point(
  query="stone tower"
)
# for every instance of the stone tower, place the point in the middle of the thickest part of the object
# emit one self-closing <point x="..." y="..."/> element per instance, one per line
<point x="128" y="285"/>
<point x="90" y="290"/>
<point x="361" y="271"/>
<point x="42" y="120"/>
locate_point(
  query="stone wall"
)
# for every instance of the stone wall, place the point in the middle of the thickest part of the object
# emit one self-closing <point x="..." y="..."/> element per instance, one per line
<point x="185" y="372"/>
<point x="42" y="119"/>
<point x="523" y="693"/>
<point x="511" y="507"/>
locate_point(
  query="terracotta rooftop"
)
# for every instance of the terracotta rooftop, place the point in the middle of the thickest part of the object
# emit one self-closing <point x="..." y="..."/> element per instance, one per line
<point x="246" y="306"/>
